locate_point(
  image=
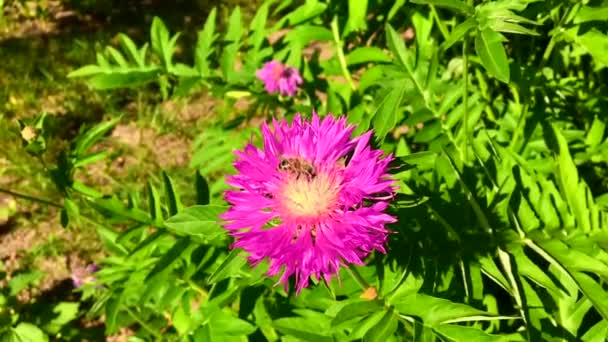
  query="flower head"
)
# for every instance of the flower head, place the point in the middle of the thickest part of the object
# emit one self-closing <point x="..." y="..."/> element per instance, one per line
<point x="277" y="76"/>
<point x="83" y="275"/>
<point x="312" y="200"/>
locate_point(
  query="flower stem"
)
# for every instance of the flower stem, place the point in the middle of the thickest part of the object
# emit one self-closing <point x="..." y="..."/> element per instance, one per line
<point x="30" y="198"/>
<point x="465" y="75"/>
<point x="444" y="31"/>
<point x="357" y="277"/>
<point x="341" y="58"/>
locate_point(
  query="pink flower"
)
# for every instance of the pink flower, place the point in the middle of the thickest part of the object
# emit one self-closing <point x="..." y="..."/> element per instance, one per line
<point x="83" y="275"/>
<point x="277" y="76"/>
<point x="312" y="200"/>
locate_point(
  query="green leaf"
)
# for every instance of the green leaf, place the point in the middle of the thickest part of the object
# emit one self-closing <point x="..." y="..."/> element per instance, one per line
<point x="357" y="12"/>
<point x="458" y="32"/>
<point x="367" y="54"/>
<point x="460" y="333"/>
<point x="86" y="71"/>
<point x="355" y="309"/>
<point x="162" y="45"/>
<point x="597" y="333"/>
<point x="129" y="46"/>
<point x="27" y="332"/>
<point x="257" y="26"/>
<point x="301" y="328"/>
<point x="198" y="220"/>
<point x="507" y="27"/>
<point x="115" y="207"/>
<point x="154" y="203"/>
<point x="64" y="312"/>
<point x="433" y="310"/>
<point x="488" y="45"/>
<point x="263" y="320"/>
<point x="86" y="190"/>
<point x="595" y="136"/>
<point x="309" y="10"/>
<point x="304" y="34"/>
<point x="223" y="323"/>
<point x="230" y="267"/>
<point x="112" y="309"/>
<point x="117" y="57"/>
<point x="90" y="159"/>
<point x="588" y="13"/>
<point x="386" y="115"/>
<point x="204" y="45"/>
<point x="170" y="257"/>
<point x="383" y="329"/>
<point x="22" y="280"/>
<point x="397" y="45"/>
<point x="124" y="78"/>
<point x="172" y="197"/>
<point x="457" y="5"/>
<point x="202" y="189"/>
<point x="232" y="37"/>
<point x="568" y="179"/>
<point x="71" y="210"/>
<point x="91" y="136"/>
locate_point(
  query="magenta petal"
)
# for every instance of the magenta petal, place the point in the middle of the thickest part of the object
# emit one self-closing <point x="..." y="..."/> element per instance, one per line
<point x="301" y="205"/>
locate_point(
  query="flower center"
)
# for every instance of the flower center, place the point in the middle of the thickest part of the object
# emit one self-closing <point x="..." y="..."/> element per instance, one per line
<point x="308" y="197"/>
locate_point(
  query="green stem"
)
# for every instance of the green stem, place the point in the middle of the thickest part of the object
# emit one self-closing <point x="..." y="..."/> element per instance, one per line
<point x="31" y="198"/>
<point x="143" y="324"/>
<point x="444" y="31"/>
<point x="563" y="20"/>
<point x="465" y="70"/>
<point x="358" y="278"/>
<point x="341" y="58"/>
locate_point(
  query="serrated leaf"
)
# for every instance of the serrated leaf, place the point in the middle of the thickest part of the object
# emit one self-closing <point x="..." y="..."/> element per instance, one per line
<point x="232" y="37"/>
<point x="204" y="44"/>
<point x="257" y="26"/>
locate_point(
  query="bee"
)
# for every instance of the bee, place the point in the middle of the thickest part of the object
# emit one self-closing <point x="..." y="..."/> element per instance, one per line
<point x="297" y="167"/>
